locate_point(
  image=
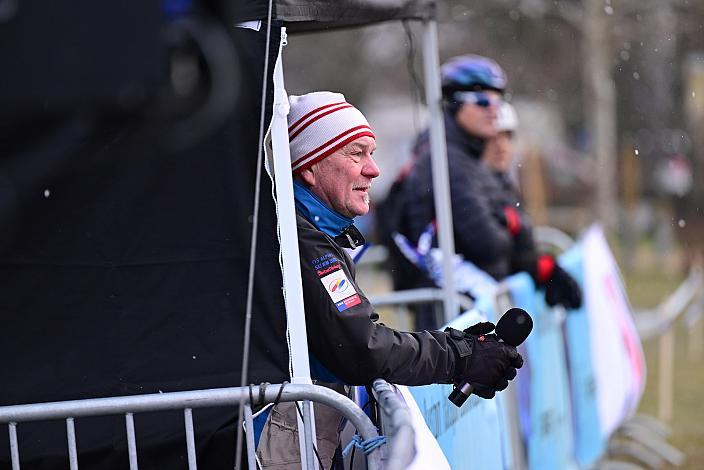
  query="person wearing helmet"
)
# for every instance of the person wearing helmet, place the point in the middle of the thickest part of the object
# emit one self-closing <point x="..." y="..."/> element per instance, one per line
<point x="472" y="90"/>
<point x="560" y="287"/>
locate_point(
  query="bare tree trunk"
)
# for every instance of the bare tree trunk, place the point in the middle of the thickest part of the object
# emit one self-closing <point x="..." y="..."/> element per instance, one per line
<point x="600" y="100"/>
<point x="661" y="36"/>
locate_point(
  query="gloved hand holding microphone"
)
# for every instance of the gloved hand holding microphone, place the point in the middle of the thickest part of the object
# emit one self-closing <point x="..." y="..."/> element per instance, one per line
<point x="486" y="361"/>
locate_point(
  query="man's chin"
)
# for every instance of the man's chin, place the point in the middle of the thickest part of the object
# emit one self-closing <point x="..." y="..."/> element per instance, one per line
<point x="361" y="210"/>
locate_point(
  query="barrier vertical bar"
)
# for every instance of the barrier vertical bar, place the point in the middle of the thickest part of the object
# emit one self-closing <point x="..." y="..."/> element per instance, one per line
<point x="665" y="384"/>
<point x="696" y="337"/>
<point x="503" y="302"/>
<point x="131" y="441"/>
<point x="190" y="439"/>
<point x="438" y="157"/>
<point x="695" y="341"/>
<point x="14" y="449"/>
<point x="309" y="429"/>
<point x="249" y="434"/>
<point x="71" y="438"/>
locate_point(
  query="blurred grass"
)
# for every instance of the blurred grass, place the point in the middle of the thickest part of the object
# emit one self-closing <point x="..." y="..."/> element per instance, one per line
<point x="646" y="290"/>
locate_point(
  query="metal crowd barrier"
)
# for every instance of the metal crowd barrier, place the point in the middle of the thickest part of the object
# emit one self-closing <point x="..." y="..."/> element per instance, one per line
<point x="377" y="255"/>
<point x="398" y="424"/>
<point x="417" y="296"/>
<point x="643" y="437"/>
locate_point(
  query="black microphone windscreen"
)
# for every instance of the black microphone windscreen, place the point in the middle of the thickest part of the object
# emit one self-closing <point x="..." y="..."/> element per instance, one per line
<point x="514" y="326"/>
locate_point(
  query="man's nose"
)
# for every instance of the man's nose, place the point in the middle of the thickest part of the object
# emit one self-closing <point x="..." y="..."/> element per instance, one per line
<point x="370" y="169"/>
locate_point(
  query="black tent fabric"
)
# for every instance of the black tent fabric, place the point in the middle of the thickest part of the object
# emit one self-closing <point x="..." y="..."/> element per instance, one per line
<point x="123" y="270"/>
<point x="123" y="267"/>
<point x="315" y="15"/>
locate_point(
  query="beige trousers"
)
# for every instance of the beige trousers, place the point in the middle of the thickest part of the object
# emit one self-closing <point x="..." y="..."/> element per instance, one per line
<point x="278" y="447"/>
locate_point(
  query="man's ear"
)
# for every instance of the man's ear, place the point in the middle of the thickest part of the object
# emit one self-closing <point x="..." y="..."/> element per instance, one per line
<point x="307" y="176"/>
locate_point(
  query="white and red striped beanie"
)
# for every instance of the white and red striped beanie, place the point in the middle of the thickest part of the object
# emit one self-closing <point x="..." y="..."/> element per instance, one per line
<point x="319" y="124"/>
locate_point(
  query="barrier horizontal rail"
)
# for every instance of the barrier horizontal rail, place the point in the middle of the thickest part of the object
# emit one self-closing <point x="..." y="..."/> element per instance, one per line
<point x="653" y="323"/>
<point x="416" y="296"/>
<point x="546" y="235"/>
<point x="676" y="303"/>
<point x="12" y="415"/>
<point x="377" y="255"/>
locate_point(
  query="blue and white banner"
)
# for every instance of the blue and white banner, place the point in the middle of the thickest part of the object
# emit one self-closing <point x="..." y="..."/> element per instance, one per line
<point x="617" y="354"/>
<point x="589" y="441"/>
<point x="470" y="436"/>
<point x="544" y="384"/>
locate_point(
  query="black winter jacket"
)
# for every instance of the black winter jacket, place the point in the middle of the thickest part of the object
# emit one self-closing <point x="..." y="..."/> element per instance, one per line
<point x="477" y="201"/>
<point x="523" y="255"/>
<point x="342" y="327"/>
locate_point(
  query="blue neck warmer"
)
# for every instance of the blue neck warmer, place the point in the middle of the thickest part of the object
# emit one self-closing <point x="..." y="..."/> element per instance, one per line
<point x="312" y="208"/>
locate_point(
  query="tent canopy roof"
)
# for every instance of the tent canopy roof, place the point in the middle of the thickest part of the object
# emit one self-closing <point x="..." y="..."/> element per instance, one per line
<point x="318" y="15"/>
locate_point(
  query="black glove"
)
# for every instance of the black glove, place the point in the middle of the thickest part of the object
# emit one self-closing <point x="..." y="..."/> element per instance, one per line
<point x="560" y="287"/>
<point x="482" y="360"/>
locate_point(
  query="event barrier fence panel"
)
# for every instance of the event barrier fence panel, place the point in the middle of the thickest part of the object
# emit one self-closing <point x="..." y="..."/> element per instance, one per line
<point x="583" y="378"/>
<point x="395" y="418"/>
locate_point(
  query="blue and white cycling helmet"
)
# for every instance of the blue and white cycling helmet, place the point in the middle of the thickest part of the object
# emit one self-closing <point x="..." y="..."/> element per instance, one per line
<point x="471" y="73"/>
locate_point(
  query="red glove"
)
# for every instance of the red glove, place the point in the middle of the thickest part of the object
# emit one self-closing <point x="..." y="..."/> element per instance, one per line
<point x="544" y="269"/>
<point x="560" y="287"/>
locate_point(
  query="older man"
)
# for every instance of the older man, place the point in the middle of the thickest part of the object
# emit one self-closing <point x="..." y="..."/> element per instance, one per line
<point x="332" y="147"/>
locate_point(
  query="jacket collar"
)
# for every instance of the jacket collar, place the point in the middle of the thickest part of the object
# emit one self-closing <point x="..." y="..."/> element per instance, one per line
<point x="454" y="133"/>
<point x="325" y="219"/>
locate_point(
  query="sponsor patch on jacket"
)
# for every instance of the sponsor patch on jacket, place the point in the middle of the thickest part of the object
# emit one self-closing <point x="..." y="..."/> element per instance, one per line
<point x="326" y="264"/>
<point x="343" y="305"/>
<point x="340" y="290"/>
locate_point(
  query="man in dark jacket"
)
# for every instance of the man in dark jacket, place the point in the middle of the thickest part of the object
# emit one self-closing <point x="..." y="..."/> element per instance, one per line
<point x="331" y="147"/>
<point x="472" y="89"/>
<point x="331" y="151"/>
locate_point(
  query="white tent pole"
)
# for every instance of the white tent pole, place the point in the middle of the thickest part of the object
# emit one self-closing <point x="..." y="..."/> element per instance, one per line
<point x="290" y="260"/>
<point x="438" y="157"/>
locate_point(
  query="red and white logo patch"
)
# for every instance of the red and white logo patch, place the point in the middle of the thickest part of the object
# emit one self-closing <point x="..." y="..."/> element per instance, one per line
<point x="338" y="286"/>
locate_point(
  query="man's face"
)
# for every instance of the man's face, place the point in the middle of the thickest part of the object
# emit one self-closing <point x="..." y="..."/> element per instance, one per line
<point x="343" y="179"/>
<point x="498" y="152"/>
<point x="479" y="118"/>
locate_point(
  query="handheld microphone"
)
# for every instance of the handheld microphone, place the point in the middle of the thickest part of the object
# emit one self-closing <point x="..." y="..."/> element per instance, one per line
<point x="512" y="328"/>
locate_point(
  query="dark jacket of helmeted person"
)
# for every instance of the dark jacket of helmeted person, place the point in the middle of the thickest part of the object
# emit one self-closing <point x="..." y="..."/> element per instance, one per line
<point x="476" y="196"/>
